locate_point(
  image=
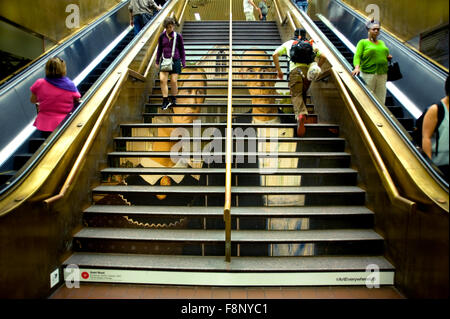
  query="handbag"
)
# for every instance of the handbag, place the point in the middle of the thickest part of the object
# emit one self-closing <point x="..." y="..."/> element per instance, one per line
<point x="167" y="63"/>
<point x="394" y="73"/>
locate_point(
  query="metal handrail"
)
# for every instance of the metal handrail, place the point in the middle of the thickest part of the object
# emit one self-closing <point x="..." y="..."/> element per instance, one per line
<point x="387" y="181"/>
<point x="228" y="149"/>
<point x="90" y="140"/>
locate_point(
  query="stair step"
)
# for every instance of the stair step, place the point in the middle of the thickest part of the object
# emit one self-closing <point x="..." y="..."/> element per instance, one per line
<point x="226" y="80"/>
<point x="234" y="66"/>
<point x="224" y="87"/>
<point x="217" y="211"/>
<point x="235" y="171"/>
<point x="246" y="242"/>
<point x="244" y="42"/>
<point x="321" y="217"/>
<point x="224" y="114"/>
<point x="237" y="236"/>
<point x="34" y="144"/>
<point x="314" y="195"/>
<point x="5" y="176"/>
<point x="334" y="140"/>
<point x="305" y="144"/>
<point x="260" y="155"/>
<point x="20" y="160"/>
<point x="223" y="125"/>
<point x="238" y="264"/>
<point x="234" y="105"/>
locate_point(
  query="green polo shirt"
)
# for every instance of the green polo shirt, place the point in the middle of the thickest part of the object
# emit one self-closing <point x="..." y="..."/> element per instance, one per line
<point x="371" y="57"/>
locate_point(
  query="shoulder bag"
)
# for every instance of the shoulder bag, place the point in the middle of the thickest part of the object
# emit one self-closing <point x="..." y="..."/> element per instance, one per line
<point x="167" y="63"/>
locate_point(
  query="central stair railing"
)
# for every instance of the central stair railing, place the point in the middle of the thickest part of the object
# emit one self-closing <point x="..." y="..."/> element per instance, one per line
<point x="229" y="147"/>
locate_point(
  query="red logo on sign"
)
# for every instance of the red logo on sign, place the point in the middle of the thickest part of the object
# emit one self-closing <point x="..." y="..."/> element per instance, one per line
<point x="85" y="275"/>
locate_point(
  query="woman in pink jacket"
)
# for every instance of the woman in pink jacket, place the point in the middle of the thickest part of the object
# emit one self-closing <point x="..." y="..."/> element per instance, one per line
<point x="56" y="95"/>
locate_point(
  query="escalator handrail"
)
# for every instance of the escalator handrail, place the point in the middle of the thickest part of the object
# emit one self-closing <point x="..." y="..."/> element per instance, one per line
<point x="96" y="128"/>
<point x="391" y="188"/>
<point x="86" y="98"/>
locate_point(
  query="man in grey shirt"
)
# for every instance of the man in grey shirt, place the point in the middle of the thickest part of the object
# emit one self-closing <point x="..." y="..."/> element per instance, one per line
<point x="141" y="12"/>
<point x="264" y="10"/>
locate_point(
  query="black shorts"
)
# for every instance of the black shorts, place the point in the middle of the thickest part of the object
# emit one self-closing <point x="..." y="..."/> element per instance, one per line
<point x="176" y="67"/>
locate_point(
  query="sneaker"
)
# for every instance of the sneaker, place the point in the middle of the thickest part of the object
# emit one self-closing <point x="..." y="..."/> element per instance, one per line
<point x="301" y="125"/>
<point x="166" y="103"/>
<point x="173" y="100"/>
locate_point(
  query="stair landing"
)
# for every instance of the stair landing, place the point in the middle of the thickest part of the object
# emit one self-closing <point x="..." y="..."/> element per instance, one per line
<point x="127" y="291"/>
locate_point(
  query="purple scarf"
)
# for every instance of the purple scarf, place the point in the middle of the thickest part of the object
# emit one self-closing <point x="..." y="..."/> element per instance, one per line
<point x="63" y="83"/>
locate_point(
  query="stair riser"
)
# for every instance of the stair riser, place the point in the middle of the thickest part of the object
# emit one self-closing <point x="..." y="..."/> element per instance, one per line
<point x="177" y="199"/>
<point x="305" y="146"/>
<point x="217" y="249"/>
<point x="199" y="222"/>
<point x="314" y="162"/>
<point x="20" y="160"/>
<point x="343" y="179"/>
<point x="311" y="131"/>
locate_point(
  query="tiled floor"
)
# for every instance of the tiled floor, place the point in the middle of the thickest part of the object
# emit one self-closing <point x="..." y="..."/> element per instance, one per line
<point x="126" y="291"/>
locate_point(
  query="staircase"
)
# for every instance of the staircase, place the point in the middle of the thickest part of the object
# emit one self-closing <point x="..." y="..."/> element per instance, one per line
<point x="298" y="217"/>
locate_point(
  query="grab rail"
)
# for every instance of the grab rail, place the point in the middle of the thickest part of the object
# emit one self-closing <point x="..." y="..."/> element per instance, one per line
<point x="387" y="181"/>
<point x="228" y="157"/>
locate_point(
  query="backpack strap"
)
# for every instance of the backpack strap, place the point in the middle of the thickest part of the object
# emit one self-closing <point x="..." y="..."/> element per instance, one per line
<point x="174" y="43"/>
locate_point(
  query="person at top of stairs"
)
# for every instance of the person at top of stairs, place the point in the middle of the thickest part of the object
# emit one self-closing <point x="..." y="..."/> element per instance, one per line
<point x="248" y="10"/>
<point x="165" y="47"/>
<point x="298" y="82"/>
<point x="141" y="12"/>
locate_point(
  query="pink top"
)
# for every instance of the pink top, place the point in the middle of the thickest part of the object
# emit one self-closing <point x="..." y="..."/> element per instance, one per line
<point x="54" y="104"/>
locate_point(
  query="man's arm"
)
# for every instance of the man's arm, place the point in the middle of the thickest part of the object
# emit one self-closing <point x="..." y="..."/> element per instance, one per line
<point x="276" y="61"/>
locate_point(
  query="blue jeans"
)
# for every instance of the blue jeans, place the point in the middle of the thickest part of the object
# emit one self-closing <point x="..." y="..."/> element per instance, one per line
<point x="302" y="5"/>
<point x="140" y="20"/>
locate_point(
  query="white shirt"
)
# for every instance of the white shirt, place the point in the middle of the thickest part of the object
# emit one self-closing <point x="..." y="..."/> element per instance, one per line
<point x="247" y="6"/>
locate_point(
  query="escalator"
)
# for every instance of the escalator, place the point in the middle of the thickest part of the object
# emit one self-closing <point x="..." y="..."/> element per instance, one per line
<point x="406" y="98"/>
<point x="403" y="117"/>
<point x="17" y="155"/>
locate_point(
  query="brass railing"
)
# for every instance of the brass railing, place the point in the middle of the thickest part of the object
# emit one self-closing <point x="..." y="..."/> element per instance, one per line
<point x="386" y="179"/>
<point x="229" y="146"/>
